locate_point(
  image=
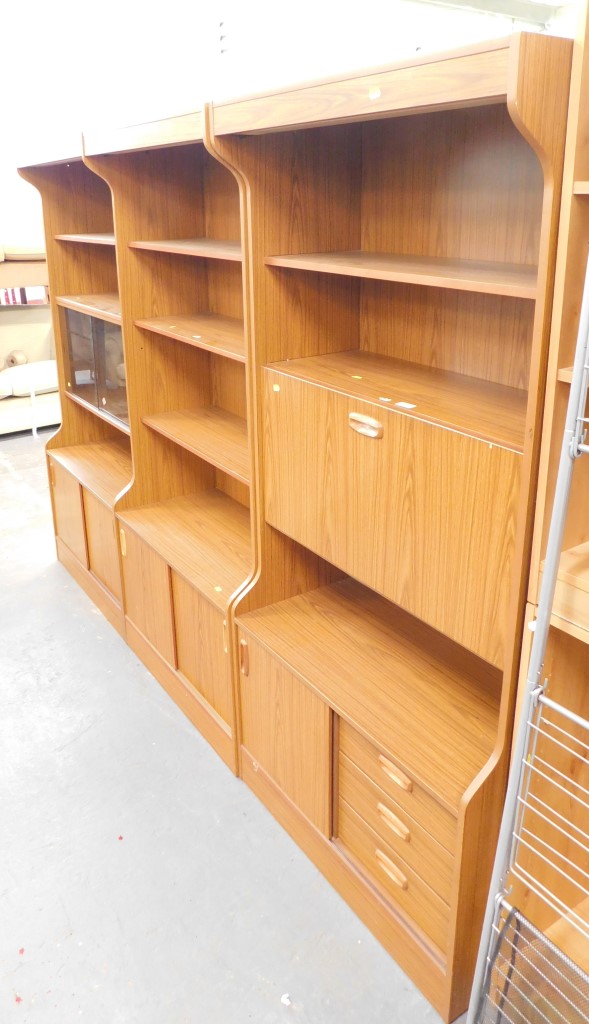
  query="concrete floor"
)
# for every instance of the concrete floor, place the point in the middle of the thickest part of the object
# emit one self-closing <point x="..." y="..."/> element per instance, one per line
<point x="139" y="880"/>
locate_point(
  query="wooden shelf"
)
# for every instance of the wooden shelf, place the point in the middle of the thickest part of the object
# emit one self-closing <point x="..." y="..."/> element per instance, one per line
<point x="565" y="375"/>
<point x="570" y="609"/>
<point x="221" y="335"/>
<point x="408" y="688"/>
<point x="212" y="433"/>
<point x="103" y="468"/>
<point x="460" y="275"/>
<point x="91" y="407"/>
<point x="205" y="538"/>
<point x="210" y="248"/>
<point x="581" y="188"/>
<point x="481" y="409"/>
<point x="107" y="238"/>
<point x="106" y="306"/>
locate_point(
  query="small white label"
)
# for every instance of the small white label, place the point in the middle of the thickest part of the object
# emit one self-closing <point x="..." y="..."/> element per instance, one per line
<point x="405" y="405"/>
<point x="276" y="387"/>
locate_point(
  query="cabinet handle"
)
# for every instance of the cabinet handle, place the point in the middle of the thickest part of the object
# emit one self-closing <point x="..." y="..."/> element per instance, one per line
<point x="391" y="870"/>
<point x="395" y="774"/>
<point x="365" y="425"/>
<point x="244" y="658"/>
<point x="123" y="543"/>
<point x="394" y="823"/>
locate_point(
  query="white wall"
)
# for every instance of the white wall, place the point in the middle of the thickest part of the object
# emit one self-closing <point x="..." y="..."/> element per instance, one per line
<point x="123" y="61"/>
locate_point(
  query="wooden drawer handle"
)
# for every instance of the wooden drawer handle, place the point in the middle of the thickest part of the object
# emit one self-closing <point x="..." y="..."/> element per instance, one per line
<point x="395" y="774"/>
<point x="391" y="870"/>
<point x="395" y="824"/>
<point x="365" y="425"/>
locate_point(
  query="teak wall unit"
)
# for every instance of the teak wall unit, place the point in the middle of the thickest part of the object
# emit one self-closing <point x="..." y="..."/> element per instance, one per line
<point x="185" y="522"/>
<point x="89" y="458"/>
<point x="335" y="306"/>
<point x="402" y="231"/>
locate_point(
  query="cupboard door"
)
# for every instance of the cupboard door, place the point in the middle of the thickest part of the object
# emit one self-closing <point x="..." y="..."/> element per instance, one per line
<point x="103" y="552"/>
<point x="423" y="515"/>
<point x="287" y="730"/>
<point x="148" y="596"/>
<point x="69" y="511"/>
<point x="201" y="640"/>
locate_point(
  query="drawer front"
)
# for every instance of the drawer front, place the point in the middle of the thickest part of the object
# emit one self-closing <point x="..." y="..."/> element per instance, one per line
<point x="452" y="570"/>
<point x="394" y="877"/>
<point x="413" y="844"/>
<point x="395" y="782"/>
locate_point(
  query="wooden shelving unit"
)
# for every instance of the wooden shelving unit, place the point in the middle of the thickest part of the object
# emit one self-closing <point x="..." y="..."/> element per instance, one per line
<point x="185" y="524"/>
<point x="90" y="456"/>
<point x="335" y="304"/>
<point x="401" y="326"/>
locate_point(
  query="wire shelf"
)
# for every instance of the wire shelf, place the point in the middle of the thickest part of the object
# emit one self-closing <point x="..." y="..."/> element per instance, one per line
<point x="550" y="849"/>
<point x="529" y="980"/>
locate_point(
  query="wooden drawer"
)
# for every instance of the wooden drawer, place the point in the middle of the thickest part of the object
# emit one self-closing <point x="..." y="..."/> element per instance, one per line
<point x="394" y="877"/>
<point x="396" y="783"/>
<point x="422" y="515"/>
<point x="413" y="844"/>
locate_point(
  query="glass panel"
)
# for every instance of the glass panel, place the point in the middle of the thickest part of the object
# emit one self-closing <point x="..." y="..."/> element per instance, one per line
<point x="110" y="368"/>
<point x="82" y="377"/>
<point x="97" y="367"/>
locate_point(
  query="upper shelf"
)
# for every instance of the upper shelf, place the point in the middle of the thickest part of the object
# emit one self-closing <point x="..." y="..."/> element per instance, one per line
<point x="482" y="409"/>
<point x="407" y="687"/>
<point x="460" y="275"/>
<point x="522" y="70"/>
<point x="214" y="434"/>
<point x="107" y="238"/>
<point x="167" y="131"/>
<point x="209" y="248"/>
<point x="220" y="335"/>
<point x="106" y="306"/>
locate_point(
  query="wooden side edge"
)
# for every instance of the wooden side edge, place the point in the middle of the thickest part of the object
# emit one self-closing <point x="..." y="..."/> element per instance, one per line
<point x="412" y="955"/>
<point x="217" y="737"/>
<point x="437" y="82"/>
<point x="97" y="593"/>
<point x="538" y="92"/>
<point x="168" y="131"/>
<point x="479" y="829"/>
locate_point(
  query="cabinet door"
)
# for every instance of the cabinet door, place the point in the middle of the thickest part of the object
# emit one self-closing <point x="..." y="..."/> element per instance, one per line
<point x="148" y="596"/>
<point x="69" y="511"/>
<point x="201" y="647"/>
<point x="287" y="729"/>
<point x="103" y="552"/>
<point x="423" y="515"/>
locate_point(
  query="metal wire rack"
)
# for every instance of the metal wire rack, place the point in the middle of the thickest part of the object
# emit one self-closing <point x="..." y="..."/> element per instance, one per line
<point x="550" y="838"/>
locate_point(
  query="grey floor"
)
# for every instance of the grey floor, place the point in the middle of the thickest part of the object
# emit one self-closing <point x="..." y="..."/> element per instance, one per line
<point x="139" y="880"/>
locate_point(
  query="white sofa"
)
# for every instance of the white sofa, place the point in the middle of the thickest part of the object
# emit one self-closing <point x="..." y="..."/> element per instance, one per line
<point x="29" y="396"/>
